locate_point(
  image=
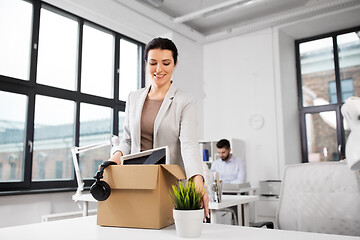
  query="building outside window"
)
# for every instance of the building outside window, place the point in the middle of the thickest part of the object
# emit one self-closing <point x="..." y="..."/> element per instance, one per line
<point x="347" y="89"/>
<point x="328" y="69"/>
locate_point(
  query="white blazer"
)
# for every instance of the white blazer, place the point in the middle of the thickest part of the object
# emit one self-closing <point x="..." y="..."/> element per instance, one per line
<point x="175" y="126"/>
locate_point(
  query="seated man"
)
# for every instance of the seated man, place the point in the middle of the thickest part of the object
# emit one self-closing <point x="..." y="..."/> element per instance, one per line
<point x="230" y="168"/>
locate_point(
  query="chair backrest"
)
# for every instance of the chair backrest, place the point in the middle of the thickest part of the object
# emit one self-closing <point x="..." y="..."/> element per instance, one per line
<point x="320" y="197"/>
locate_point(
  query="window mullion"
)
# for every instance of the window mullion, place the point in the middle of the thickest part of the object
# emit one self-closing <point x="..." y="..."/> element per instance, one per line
<point x="35" y="41"/>
<point x="117" y="50"/>
<point x="29" y="140"/>
<point x="339" y="118"/>
<point x="337" y="71"/>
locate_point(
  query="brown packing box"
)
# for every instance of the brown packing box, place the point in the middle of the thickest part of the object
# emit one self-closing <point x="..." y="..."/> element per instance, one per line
<point x="139" y="196"/>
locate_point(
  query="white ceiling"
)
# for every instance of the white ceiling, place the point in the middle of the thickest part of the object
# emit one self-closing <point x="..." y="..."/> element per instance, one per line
<point x="217" y="19"/>
<point x="220" y="15"/>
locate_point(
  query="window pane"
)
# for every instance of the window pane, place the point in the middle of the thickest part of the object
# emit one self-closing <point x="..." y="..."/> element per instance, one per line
<point x="130" y="79"/>
<point x="317" y="70"/>
<point x="347" y="90"/>
<point x="321" y="136"/>
<point x="57" y="51"/>
<point x="12" y="136"/>
<point x="53" y="138"/>
<point x="121" y="124"/>
<point x="349" y="61"/>
<point x="97" y="63"/>
<point x="15" y="40"/>
<point x="95" y="127"/>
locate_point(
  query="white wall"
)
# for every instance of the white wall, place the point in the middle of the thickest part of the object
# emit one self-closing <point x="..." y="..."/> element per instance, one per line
<point x="26" y="209"/>
<point x="239" y="81"/>
<point x="255" y="73"/>
<point x="189" y="72"/>
<point x="289" y="146"/>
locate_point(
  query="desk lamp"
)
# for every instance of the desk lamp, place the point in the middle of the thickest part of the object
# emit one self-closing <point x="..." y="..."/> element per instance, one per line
<point x="351" y="112"/>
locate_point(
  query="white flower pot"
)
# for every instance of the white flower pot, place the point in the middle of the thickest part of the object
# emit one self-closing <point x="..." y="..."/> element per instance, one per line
<point x="188" y="223"/>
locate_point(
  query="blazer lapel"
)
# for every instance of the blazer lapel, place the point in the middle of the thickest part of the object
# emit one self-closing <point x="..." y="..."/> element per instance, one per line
<point x="137" y="120"/>
<point x="164" y="107"/>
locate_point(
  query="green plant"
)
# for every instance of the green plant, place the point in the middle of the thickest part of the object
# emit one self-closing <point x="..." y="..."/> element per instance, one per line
<point x="186" y="196"/>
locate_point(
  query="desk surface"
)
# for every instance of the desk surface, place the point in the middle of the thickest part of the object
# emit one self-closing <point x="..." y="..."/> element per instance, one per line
<point x="86" y="228"/>
<point x="232" y="200"/>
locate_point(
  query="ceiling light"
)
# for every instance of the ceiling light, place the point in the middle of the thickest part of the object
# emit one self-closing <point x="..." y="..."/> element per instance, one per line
<point x="154" y="3"/>
<point x="224" y="6"/>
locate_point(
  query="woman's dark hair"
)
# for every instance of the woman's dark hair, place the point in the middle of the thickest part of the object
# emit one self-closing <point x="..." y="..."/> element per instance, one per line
<point x="163" y="44"/>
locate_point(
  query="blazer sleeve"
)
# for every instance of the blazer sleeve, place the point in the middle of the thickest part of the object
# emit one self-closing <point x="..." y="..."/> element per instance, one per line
<point x="125" y="143"/>
<point x="190" y="150"/>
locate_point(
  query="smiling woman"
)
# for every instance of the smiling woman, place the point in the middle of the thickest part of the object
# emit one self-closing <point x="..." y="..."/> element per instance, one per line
<point x="160" y="67"/>
<point x="162" y="115"/>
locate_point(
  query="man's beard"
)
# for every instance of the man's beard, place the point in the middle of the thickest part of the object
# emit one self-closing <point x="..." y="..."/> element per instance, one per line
<point x="226" y="158"/>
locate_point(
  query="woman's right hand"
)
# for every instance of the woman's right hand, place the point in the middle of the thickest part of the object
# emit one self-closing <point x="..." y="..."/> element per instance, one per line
<point x="116" y="157"/>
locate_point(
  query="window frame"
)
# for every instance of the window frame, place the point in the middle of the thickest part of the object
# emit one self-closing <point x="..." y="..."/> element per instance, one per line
<point x="30" y="89"/>
<point x="336" y="107"/>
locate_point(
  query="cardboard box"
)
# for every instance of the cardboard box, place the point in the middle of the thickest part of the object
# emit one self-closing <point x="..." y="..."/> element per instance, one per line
<point x="139" y="196"/>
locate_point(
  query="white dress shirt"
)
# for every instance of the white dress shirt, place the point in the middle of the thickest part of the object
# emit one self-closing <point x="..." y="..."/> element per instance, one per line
<point x="232" y="171"/>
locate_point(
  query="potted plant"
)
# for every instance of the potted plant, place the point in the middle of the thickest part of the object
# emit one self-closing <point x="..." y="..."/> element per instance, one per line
<point x="188" y="214"/>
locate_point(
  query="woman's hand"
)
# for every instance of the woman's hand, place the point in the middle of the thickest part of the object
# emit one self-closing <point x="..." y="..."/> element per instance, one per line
<point x="199" y="182"/>
<point x="117" y="157"/>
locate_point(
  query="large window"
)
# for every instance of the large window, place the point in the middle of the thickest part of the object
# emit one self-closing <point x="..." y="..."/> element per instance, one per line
<point x="62" y="84"/>
<point x="328" y="69"/>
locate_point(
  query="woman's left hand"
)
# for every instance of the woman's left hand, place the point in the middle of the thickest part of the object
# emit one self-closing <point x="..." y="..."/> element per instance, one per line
<point x="199" y="182"/>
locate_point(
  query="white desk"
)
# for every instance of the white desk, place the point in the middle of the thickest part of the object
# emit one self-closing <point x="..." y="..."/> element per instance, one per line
<point x="84" y="199"/>
<point x="241" y="201"/>
<point x="246" y="191"/>
<point x="86" y="228"/>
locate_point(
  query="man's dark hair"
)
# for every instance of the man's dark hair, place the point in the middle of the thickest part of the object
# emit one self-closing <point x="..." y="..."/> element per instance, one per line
<point x="223" y="143"/>
<point x="163" y="44"/>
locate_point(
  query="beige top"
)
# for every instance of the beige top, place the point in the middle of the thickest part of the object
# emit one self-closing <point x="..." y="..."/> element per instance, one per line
<point x="175" y="126"/>
<point x="149" y="112"/>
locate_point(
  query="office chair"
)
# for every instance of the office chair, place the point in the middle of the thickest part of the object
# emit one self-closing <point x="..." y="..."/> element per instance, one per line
<point x="320" y="197"/>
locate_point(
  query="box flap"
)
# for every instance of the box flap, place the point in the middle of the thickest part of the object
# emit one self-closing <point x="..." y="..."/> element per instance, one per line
<point x="175" y="170"/>
<point x="131" y="176"/>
